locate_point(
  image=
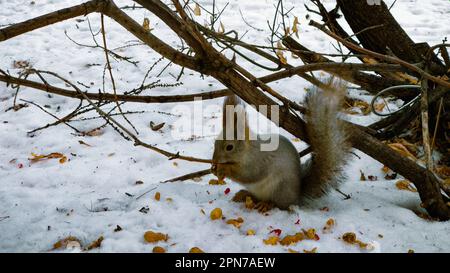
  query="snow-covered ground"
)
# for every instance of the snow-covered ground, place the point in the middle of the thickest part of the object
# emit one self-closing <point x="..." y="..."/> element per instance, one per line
<point x="89" y="195"/>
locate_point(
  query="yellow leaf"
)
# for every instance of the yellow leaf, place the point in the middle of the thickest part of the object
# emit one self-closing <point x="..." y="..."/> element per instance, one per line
<point x="158" y="249"/>
<point x="290" y="250"/>
<point x="292" y="239"/>
<point x="153" y="237"/>
<point x="196" y="250"/>
<point x="310" y="233"/>
<point x="236" y="222"/>
<point x="217" y="182"/>
<point x="251" y="232"/>
<point x="197" y="11"/>
<point x="146" y="24"/>
<point x="216" y="214"/>
<point x="405" y="185"/>
<point x="272" y="240"/>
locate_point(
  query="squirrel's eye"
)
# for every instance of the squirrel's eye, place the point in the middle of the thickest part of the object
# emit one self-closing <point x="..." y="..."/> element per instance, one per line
<point x="229" y="147"/>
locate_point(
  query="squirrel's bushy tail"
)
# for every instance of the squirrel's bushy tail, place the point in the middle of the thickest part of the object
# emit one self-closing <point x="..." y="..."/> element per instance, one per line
<point x="328" y="139"/>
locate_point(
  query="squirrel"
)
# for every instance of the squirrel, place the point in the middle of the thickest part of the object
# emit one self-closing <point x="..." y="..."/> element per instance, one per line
<point x="278" y="178"/>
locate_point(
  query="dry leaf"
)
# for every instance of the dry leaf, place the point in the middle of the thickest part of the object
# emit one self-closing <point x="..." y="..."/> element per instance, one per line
<point x="280" y="54"/>
<point x="84" y="143"/>
<point x="310" y="234"/>
<point x="292" y="239"/>
<point x="216" y="214"/>
<point x="379" y="107"/>
<point x="272" y="240"/>
<point x="197" y="11"/>
<point x="94" y="132"/>
<point x="443" y="171"/>
<point x="236" y="222"/>
<point x="217" y="182"/>
<point x="221" y="28"/>
<point x="329" y="225"/>
<point x="196" y="250"/>
<point x="153" y="237"/>
<point x="350" y="238"/>
<point x="68" y="242"/>
<point x="156" y="127"/>
<point x="314" y="250"/>
<point x="35" y="157"/>
<point x="400" y="148"/>
<point x="251" y="232"/>
<point x="157" y="196"/>
<point x="158" y="249"/>
<point x="21" y="64"/>
<point x="295" y="26"/>
<point x="96" y="244"/>
<point x="146" y="25"/>
<point x="290" y="250"/>
<point x="362" y="177"/>
<point x="405" y="185"/>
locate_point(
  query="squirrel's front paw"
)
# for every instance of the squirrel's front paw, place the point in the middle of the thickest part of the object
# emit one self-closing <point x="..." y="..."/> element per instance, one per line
<point x="241" y="196"/>
<point x="264" y="206"/>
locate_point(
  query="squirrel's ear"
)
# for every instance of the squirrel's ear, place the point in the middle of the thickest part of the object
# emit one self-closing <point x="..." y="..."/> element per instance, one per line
<point x="234" y="121"/>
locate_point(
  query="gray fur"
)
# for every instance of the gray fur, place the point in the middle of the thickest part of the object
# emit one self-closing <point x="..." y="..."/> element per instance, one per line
<point x="278" y="176"/>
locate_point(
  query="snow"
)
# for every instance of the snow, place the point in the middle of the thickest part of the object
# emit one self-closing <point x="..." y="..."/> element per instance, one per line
<point x="86" y="197"/>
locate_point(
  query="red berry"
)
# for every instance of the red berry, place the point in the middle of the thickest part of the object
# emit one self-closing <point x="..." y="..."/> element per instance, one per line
<point x="227" y="190"/>
<point x="276" y="231"/>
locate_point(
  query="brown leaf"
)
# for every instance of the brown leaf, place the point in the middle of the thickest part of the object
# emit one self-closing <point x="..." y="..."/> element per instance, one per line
<point x="156" y="127"/>
<point x="405" y="185"/>
<point x="157" y="196"/>
<point x="350" y="238"/>
<point x="96" y="244"/>
<point x="401" y="149"/>
<point x="146" y="25"/>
